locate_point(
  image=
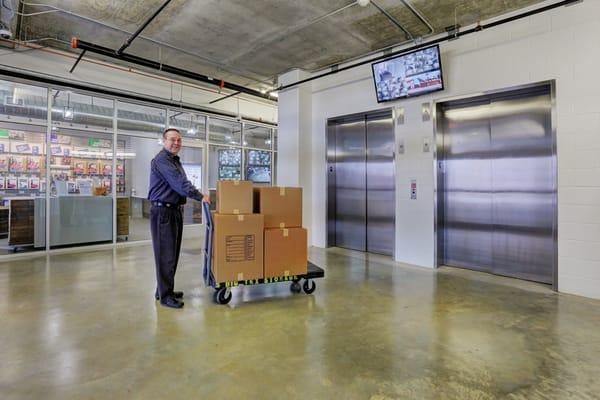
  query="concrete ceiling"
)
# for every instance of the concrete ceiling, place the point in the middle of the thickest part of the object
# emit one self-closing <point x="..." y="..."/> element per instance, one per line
<point x="250" y="42"/>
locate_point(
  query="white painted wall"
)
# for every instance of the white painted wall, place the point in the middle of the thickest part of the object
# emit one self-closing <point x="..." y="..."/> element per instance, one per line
<point x="564" y="45"/>
<point x="57" y="64"/>
<point x="295" y="156"/>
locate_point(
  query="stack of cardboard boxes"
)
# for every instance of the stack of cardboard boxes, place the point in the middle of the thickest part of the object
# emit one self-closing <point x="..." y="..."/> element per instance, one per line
<point x="265" y="244"/>
<point x="238" y="234"/>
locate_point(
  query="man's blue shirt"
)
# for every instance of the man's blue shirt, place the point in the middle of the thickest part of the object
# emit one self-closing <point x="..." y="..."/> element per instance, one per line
<point x="168" y="182"/>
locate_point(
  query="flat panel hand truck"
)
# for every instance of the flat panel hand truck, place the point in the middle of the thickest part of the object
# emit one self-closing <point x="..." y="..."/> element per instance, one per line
<point x="222" y="293"/>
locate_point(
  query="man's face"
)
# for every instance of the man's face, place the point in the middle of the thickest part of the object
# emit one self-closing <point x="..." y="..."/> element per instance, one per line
<point x="172" y="142"/>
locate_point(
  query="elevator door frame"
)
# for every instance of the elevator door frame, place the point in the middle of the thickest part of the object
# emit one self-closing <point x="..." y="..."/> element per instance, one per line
<point x="438" y="177"/>
<point x="330" y="196"/>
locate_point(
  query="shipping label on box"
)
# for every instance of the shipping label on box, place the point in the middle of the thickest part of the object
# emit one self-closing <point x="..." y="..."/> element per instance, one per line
<point x="237" y="247"/>
<point x="234" y="197"/>
<point x="240" y="248"/>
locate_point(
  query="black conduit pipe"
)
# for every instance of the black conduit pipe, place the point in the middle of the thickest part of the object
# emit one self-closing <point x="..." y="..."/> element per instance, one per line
<point x="107" y="52"/>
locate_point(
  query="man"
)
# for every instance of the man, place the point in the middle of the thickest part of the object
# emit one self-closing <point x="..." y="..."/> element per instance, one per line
<point x="169" y="188"/>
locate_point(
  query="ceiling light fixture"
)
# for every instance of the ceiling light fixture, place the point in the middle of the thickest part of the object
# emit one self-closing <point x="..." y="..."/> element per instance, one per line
<point x="363" y="3"/>
<point x="68" y="113"/>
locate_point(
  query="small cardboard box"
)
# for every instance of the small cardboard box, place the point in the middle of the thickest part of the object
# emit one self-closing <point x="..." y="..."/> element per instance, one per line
<point x="281" y="206"/>
<point x="286" y="252"/>
<point x="237" y="247"/>
<point x="234" y="197"/>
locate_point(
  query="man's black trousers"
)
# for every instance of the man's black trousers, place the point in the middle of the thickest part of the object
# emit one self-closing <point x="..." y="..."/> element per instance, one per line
<point x="166" y="225"/>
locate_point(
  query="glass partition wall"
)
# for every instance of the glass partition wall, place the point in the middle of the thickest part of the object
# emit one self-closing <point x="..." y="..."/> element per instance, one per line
<point x="75" y="166"/>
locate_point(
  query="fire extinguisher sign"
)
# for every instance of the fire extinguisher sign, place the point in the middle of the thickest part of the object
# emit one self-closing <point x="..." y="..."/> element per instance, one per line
<point x="413" y="189"/>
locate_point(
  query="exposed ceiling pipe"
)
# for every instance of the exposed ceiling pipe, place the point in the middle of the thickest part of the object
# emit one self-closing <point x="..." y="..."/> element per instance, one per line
<point x="420" y="16"/>
<point x="394" y="21"/>
<point x="141" y="28"/>
<point x="29" y="46"/>
<point x="454" y="35"/>
<point x="105" y="51"/>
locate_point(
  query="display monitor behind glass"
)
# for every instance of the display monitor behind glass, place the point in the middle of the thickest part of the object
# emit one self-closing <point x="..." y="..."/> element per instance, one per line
<point x="408" y="75"/>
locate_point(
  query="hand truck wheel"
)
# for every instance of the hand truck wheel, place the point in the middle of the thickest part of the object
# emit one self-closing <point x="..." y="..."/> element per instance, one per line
<point x="223" y="295"/>
<point x="309" y="287"/>
<point x="295" y="287"/>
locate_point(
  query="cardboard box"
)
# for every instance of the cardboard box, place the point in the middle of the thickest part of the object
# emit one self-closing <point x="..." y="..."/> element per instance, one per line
<point x="286" y="252"/>
<point x="234" y="197"/>
<point x="237" y="247"/>
<point x="281" y="206"/>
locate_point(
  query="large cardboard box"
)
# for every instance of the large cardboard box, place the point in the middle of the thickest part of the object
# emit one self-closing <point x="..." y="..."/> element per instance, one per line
<point x="234" y="197"/>
<point x="286" y="252"/>
<point x="281" y="206"/>
<point x="237" y="247"/>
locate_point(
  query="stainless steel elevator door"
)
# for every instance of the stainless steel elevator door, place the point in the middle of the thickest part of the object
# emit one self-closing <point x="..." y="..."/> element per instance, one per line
<point x="498" y="185"/>
<point x="380" y="184"/>
<point x="468" y="187"/>
<point x="350" y="182"/>
<point x="523" y="187"/>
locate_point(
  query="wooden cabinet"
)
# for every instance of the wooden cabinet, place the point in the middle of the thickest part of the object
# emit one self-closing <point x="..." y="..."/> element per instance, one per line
<point x="21" y="224"/>
<point x="123" y="216"/>
<point x="4" y="213"/>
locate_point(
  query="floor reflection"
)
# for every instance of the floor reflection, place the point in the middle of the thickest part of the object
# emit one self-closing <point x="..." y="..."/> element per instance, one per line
<point x="86" y="325"/>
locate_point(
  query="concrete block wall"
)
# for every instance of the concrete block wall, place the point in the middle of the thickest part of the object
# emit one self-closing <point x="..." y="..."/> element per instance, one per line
<point x="561" y="45"/>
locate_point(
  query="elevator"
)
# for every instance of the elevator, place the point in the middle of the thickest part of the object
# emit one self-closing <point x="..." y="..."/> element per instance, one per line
<point x="361" y="182"/>
<point x="496" y="179"/>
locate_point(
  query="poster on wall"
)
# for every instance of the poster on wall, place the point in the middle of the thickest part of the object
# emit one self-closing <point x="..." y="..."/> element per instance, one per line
<point x="106" y="169"/>
<point x="11" y="183"/>
<point x="80" y="167"/>
<point x="23" y="183"/>
<point x="17" y="164"/>
<point x="3" y="163"/>
<point x="34" y="183"/>
<point x="93" y="168"/>
<point x="24" y="148"/>
<point x="193" y="173"/>
<point x="33" y="164"/>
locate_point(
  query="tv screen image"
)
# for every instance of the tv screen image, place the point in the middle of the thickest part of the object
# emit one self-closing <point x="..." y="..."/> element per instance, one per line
<point x="408" y="75"/>
<point x="259" y="174"/>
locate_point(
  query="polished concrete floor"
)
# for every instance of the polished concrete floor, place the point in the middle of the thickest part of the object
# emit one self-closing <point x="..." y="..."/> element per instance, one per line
<point x="85" y="326"/>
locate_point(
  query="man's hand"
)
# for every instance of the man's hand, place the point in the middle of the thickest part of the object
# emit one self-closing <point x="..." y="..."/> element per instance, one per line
<point x="205" y="199"/>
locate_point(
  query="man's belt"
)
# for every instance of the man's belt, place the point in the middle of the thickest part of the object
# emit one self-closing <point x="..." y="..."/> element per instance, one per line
<point x="163" y="204"/>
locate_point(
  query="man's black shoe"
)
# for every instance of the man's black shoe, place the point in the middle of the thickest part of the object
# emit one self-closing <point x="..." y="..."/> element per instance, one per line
<point x="171" y="302"/>
<point x="177" y="295"/>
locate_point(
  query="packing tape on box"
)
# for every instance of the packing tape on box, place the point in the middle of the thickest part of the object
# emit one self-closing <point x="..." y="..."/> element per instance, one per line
<point x="236" y="211"/>
<point x="282" y="191"/>
<point x="241" y="276"/>
<point x="241" y="218"/>
<point x="282" y="225"/>
<point x="236" y="183"/>
<point x="286" y="232"/>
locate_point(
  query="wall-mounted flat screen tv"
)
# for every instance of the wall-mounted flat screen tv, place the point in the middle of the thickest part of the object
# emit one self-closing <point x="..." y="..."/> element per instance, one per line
<point x="411" y="74"/>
